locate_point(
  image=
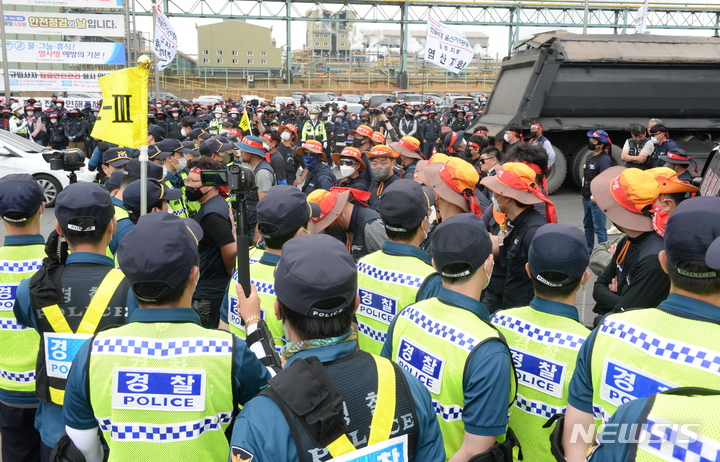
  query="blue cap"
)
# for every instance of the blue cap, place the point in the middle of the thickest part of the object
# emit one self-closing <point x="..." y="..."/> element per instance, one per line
<point x="599" y="135"/>
<point x="460" y="245"/>
<point x="257" y="150"/>
<point x="146" y="255"/>
<point x="198" y="133"/>
<point x="200" y="125"/>
<point x="132" y="169"/>
<point x="157" y="132"/>
<point x="115" y="179"/>
<point x="312" y="269"/>
<point x="116" y="157"/>
<point x="691" y="229"/>
<point x="20" y="197"/>
<point x="155" y="152"/>
<point x="84" y="201"/>
<point x="214" y="146"/>
<point x="558" y="248"/>
<point x="155" y="191"/>
<point x="712" y="257"/>
<point x="403" y="205"/>
<point x="285" y="208"/>
<point x="169" y="145"/>
<point x="190" y="147"/>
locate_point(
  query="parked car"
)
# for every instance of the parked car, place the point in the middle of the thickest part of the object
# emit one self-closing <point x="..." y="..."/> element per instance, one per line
<point x="349" y="98"/>
<point x="163" y="95"/>
<point x="283" y="100"/>
<point x="317" y="98"/>
<point x="376" y="99"/>
<point x="401" y="94"/>
<point x="207" y="99"/>
<point x="447" y="102"/>
<point x="18" y="155"/>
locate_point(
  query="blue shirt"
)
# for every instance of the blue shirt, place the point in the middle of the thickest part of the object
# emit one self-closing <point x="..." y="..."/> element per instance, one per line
<point x="123" y="227"/>
<point x="250" y="376"/>
<point x="261" y="428"/>
<point x="621" y="435"/>
<point x="554" y="308"/>
<point x="581" y="385"/>
<point x="433" y="282"/>
<point x="17" y="241"/>
<point x="48" y="419"/>
<point x="486" y="383"/>
<point x="267" y="259"/>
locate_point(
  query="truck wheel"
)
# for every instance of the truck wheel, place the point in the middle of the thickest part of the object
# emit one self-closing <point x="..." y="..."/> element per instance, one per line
<point x="578" y="163"/>
<point x="557" y="173"/>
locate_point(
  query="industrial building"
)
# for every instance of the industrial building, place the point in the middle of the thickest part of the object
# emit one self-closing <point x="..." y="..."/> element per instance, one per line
<point x="238" y="46"/>
<point x="330" y="39"/>
<point x="390" y="38"/>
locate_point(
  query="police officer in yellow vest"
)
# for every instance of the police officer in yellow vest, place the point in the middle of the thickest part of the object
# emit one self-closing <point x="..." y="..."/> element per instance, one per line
<point x="314" y="128"/>
<point x="173" y="165"/>
<point x="677" y="424"/>
<point x="161" y="386"/>
<point x="449" y="344"/>
<point x="330" y="400"/>
<point x="21" y="205"/>
<point x="545" y="336"/>
<point x="71" y="297"/>
<point x="400" y="274"/>
<point x="634" y="353"/>
<point x="282" y="215"/>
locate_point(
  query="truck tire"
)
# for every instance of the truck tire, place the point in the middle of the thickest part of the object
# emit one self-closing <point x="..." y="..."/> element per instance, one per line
<point x="580" y="157"/>
<point x="557" y="173"/>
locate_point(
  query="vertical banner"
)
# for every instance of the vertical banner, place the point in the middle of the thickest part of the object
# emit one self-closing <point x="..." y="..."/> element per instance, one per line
<point x="123" y="114"/>
<point x="447" y="47"/>
<point x="165" y="41"/>
<point x="641" y="18"/>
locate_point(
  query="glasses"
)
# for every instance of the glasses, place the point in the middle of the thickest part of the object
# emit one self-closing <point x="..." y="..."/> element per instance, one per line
<point x="483" y="159"/>
<point x="347" y="162"/>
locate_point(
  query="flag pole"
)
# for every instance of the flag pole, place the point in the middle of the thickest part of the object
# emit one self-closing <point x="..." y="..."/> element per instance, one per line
<point x="143" y="179"/>
<point x="6" y="75"/>
<point x="155" y="58"/>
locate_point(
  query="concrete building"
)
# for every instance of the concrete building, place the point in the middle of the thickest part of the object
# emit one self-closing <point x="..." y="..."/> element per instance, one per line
<point x="330" y="39"/>
<point x="239" y="47"/>
<point x="390" y="38"/>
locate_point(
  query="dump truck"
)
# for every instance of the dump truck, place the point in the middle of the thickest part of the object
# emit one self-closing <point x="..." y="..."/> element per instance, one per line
<point x="575" y="83"/>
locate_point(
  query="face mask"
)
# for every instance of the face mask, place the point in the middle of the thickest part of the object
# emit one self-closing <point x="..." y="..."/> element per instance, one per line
<point x="363" y="121"/>
<point x="175" y="114"/>
<point x="496" y="205"/>
<point x="382" y="173"/>
<point x="266" y="146"/>
<point x="29" y="113"/>
<point x="408" y="117"/>
<point x="389" y="114"/>
<point x="217" y="116"/>
<point x="193" y="194"/>
<point x="234" y="116"/>
<point x="534" y="134"/>
<point x="285" y="136"/>
<point x="432" y="116"/>
<point x="346" y="170"/>
<point x="654" y="140"/>
<point x="53" y="121"/>
<point x="182" y="163"/>
<point x="336" y="229"/>
<point x="591" y="146"/>
<point x="311" y="161"/>
<point x="506" y="138"/>
<point x="165" y="171"/>
<point x="313" y="117"/>
<point x="357" y="142"/>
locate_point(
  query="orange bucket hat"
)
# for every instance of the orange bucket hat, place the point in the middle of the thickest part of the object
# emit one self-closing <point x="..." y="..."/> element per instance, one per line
<point x="455" y="182"/>
<point x="350" y="152"/>
<point x="382" y="151"/>
<point x="377" y="138"/>
<point x="408" y="146"/>
<point x="362" y="130"/>
<point x="625" y="195"/>
<point x="331" y="205"/>
<point x="517" y="181"/>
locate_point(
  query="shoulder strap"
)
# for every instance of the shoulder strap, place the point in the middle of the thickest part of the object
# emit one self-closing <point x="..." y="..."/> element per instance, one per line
<point x="100" y="301"/>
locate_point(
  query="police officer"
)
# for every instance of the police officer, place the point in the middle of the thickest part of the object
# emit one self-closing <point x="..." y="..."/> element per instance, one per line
<point x="158" y="196"/>
<point x="169" y="154"/>
<point x="635" y="353"/>
<point x="21" y="205"/>
<point x="75" y="131"/>
<point x="72" y="296"/>
<point x="320" y="175"/>
<point x="598" y="162"/>
<point x="18" y="124"/>
<point x="114" y="159"/>
<point x="347" y="217"/>
<point x="282" y="215"/>
<point x="369" y="412"/>
<point x="399" y="274"/>
<point x="544" y="337"/>
<point x="382" y="160"/>
<point x="314" y="128"/>
<point x="449" y="344"/>
<point x="175" y="398"/>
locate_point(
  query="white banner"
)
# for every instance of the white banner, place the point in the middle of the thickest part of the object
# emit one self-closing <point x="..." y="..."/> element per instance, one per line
<point x="88" y="25"/>
<point x="67" y="103"/>
<point x="36" y="51"/>
<point x="165" y="41"/>
<point x="447" y="47"/>
<point x="69" y="81"/>
<point x="641" y="18"/>
<point x="69" y="3"/>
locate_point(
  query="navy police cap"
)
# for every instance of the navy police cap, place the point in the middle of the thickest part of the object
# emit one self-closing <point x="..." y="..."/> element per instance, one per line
<point x="558" y="248"/>
<point x="460" y="245"/>
<point x="81" y="201"/>
<point x="20" y="197"/>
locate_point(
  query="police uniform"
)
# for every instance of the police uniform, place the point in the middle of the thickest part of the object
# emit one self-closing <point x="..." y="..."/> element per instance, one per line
<point x="272" y="427"/>
<point x="162" y="360"/>
<point x="69" y="303"/>
<point x="449" y="344"/>
<point x="20" y="256"/>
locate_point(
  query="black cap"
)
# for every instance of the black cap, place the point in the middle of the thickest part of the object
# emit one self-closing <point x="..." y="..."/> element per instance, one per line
<point x="286" y="209"/>
<point x="403" y="206"/>
<point x="84" y="201"/>
<point x="460" y="245"/>
<point x="169" y="145"/>
<point x="116" y="157"/>
<point x="190" y="147"/>
<point x="20" y="197"/>
<point x="157" y="132"/>
<point x="200" y="125"/>
<point x="146" y="255"/>
<point x="558" y="248"/>
<point x="198" y="133"/>
<point x="156" y="152"/>
<point x="115" y="179"/>
<point x="214" y="146"/>
<point x="712" y="257"/>
<point x="690" y="230"/>
<point x="155" y="191"/>
<point x="312" y="269"/>
<point x="133" y="170"/>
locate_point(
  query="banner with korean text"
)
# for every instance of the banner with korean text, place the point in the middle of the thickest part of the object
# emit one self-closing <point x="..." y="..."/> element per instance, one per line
<point x="69" y="3"/>
<point x="88" y="25"/>
<point x="447" y="47"/>
<point x="165" y="40"/>
<point x="69" y="81"/>
<point x="36" y="51"/>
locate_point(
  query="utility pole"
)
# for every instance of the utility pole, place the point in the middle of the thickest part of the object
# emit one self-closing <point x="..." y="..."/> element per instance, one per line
<point x="6" y="72"/>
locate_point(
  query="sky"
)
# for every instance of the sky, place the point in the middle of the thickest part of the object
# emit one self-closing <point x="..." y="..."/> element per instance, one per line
<point x="498" y="35"/>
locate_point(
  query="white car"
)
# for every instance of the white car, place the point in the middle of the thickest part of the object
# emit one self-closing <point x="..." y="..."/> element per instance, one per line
<point x="18" y="155"/>
<point x="283" y="99"/>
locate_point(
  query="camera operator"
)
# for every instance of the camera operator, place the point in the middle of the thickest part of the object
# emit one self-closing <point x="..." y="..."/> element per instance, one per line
<point x="253" y="153"/>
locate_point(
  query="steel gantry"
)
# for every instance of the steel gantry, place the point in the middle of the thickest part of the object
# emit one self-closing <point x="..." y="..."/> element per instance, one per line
<point x="617" y="15"/>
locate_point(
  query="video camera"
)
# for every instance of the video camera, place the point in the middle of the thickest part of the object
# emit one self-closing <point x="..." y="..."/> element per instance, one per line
<point x="68" y="160"/>
<point x="239" y="180"/>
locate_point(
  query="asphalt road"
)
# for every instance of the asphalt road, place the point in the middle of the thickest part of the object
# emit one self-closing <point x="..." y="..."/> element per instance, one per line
<point x="569" y="210"/>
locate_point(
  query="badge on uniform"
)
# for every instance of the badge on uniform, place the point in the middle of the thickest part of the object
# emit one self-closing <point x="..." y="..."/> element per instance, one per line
<point x="238" y="454"/>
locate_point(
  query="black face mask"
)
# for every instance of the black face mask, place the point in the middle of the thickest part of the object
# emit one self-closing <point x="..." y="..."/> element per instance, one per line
<point x="335" y="230"/>
<point x="193" y="194"/>
<point x="408" y="117"/>
<point x="591" y="146"/>
<point x="363" y="121"/>
<point x="357" y="142"/>
<point x="432" y="116"/>
<point x="389" y="114"/>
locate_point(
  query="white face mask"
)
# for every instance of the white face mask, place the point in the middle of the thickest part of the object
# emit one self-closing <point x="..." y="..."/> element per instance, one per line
<point x="346" y="170"/>
<point x="165" y="171"/>
<point x="654" y="140"/>
<point x="506" y="138"/>
<point x="234" y="116"/>
<point x="285" y="136"/>
<point x="175" y="114"/>
<point x="182" y="163"/>
<point x="313" y="117"/>
<point x="52" y="121"/>
<point x="266" y="146"/>
<point x="29" y="113"/>
<point x="183" y="132"/>
<point x="218" y="115"/>
<point x="496" y="205"/>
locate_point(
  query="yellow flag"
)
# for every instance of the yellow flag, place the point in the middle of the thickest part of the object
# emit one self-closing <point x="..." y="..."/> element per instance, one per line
<point x="123" y="115"/>
<point x="244" y="122"/>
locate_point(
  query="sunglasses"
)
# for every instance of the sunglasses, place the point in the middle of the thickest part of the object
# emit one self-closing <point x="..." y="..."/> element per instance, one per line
<point x="347" y="162"/>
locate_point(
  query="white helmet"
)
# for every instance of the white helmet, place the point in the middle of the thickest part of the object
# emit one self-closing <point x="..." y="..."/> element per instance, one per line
<point x="15" y="107"/>
<point x="218" y="110"/>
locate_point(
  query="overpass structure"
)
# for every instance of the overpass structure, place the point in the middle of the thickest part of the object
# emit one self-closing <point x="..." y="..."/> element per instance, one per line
<point x="617" y="15"/>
